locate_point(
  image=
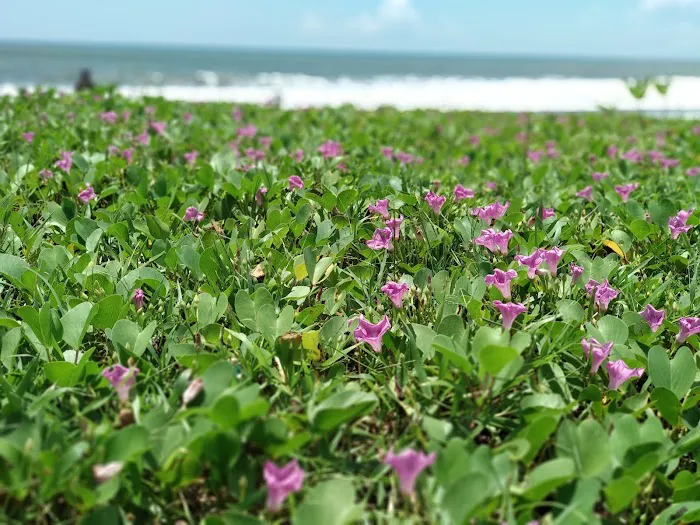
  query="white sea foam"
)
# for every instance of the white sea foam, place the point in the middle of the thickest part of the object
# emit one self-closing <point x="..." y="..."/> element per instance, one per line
<point x="443" y="93"/>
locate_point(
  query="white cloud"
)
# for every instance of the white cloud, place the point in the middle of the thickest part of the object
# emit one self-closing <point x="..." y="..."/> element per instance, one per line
<point x="312" y="23"/>
<point x="388" y="13"/>
<point x="652" y="5"/>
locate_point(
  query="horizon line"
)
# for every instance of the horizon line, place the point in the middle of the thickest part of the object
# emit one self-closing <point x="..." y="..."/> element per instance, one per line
<point x="388" y="53"/>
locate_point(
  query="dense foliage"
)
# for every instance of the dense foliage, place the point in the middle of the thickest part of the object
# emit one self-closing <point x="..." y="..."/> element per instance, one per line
<point x="192" y="296"/>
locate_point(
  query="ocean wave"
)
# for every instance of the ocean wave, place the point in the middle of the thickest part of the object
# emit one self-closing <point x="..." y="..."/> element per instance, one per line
<point x="442" y="93"/>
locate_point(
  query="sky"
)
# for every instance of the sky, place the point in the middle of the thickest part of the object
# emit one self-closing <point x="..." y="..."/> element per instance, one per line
<point x="595" y="28"/>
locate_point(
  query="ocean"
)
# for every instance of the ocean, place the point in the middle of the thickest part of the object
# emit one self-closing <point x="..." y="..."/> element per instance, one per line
<point x="367" y="80"/>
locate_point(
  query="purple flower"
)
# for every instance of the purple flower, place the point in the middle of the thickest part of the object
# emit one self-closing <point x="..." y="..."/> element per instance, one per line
<point x="491" y="212"/>
<point x="408" y="465"/>
<point x="612" y="151"/>
<point x="669" y="163"/>
<point x="128" y="155"/>
<point x="381" y="207"/>
<point x="192" y="391"/>
<point x="112" y="150"/>
<point x="110" y="117"/>
<point x="535" y="156"/>
<point x="654" y="317"/>
<point x="586" y="193"/>
<point x="603" y="293"/>
<point x="395" y="291"/>
<point x="465" y="160"/>
<point x="262" y="190"/>
<point x="501" y="281"/>
<point x="126" y="115"/>
<point x="435" y="202"/>
<point x="143" y="138"/>
<point x="576" y="272"/>
<point x="496" y="242"/>
<point x="191" y="157"/>
<point x="395" y="225"/>
<point x="193" y="214"/>
<point x="138" y="297"/>
<point x="619" y="372"/>
<point x="298" y="155"/>
<point x="596" y="351"/>
<point x="281" y="482"/>
<point x="490" y="186"/>
<point x="237" y="114"/>
<point x="688" y="326"/>
<point x="87" y="194"/>
<point x="532" y="261"/>
<point x="66" y="161"/>
<point x="150" y="110"/>
<point x="598" y="176"/>
<point x="509" y="311"/>
<point x="677" y="224"/>
<point x="46" y="174"/>
<point x="404" y="158"/>
<point x="330" y="149"/>
<point x="693" y="172"/>
<point x="122" y="379"/>
<point x="551" y="259"/>
<point x="371" y="333"/>
<point x="625" y="190"/>
<point x="548" y="213"/>
<point x="28" y="136"/>
<point x="633" y="156"/>
<point x="460" y="193"/>
<point x="381" y="240"/>
<point x="295" y="183"/>
<point x="187" y="117"/>
<point x="388" y="152"/>
<point x="255" y="154"/>
<point x="158" y="127"/>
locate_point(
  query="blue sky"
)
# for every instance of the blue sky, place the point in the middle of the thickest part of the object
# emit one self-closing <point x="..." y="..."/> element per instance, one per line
<point x="644" y="28"/>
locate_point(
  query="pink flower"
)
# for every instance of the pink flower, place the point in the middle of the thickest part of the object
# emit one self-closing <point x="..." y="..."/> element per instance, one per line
<point x="496" y="242"/>
<point x="395" y="225"/>
<point x="295" y="183"/>
<point x="28" y="136"/>
<point x="122" y="379"/>
<point x="381" y="208"/>
<point x="87" y="194"/>
<point x="262" y="190"/>
<point x="158" y="127"/>
<point x="612" y="151"/>
<point x="548" y="213"/>
<point x="126" y="115"/>
<point x="535" y="156"/>
<point x="491" y="212"/>
<point x="404" y="158"/>
<point x="598" y="176"/>
<point x="112" y="150"/>
<point x="138" y="298"/>
<point x="66" y="161"/>
<point x="677" y="224"/>
<point x="150" y="110"/>
<point x="465" y="160"/>
<point x="596" y="351"/>
<point x="633" y="156"/>
<point x="586" y="193"/>
<point x="192" y="391"/>
<point x="281" y="482"/>
<point x="688" y="326"/>
<point x="693" y="172"/>
<point x="624" y="191"/>
<point x="128" y="155"/>
<point x="509" y="311"/>
<point x="330" y="149"/>
<point x="193" y="214"/>
<point x="474" y="140"/>
<point x="388" y="152"/>
<point x="381" y="240"/>
<point x="532" y="261"/>
<point x="592" y="158"/>
<point x="369" y="333"/>
<point x="143" y="138"/>
<point x="298" y="155"/>
<point x="408" y="465"/>
<point x="654" y="317"/>
<point x="490" y="186"/>
<point x="191" y="157"/>
<point x="110" y="117"/>
<point x="46" y="174"/>
<point x="552" y="258"/>
<point x="435" y="202"/>
<point x="603" y="293"/>
<point x="395" y="291"/>
<point x="237" y="114"/>
<point x="460" y="193"/>
<point x="501" y="281"/>
<point x="255" y="154"/>
<point x="576" y="272"/>
<point x="619" y="372"/>
<point x="669" y="163"/>
<point x="187" y="117"/>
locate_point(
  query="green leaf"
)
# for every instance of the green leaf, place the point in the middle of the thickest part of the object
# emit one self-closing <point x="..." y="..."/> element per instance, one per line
<point x="108" y="312"/>
<point x="12" y="268"/>
<point x="335" y="327"/>
<point x="547" y="476"/>
<point x="267" y="323"/>
<point x="620" y="493"/>
<point x="613" y="329"/>
<point x="329" y="503"/>
<point x="494" y="358"/>
<point x="245" y="310"/>
<point x="126" y="444"/>
<point x="570" y="311"/>
<point x="341" y="407"/>
<point x="298" y="293"/>
<point x="587" y="445"/>
<point x="75" y="323"/>
<point x="424" y="339"/>
<point x="129" y="336"/>
<point x="667" y="404"/>
<point x="464" y="497"/>
<point x="62" y="373"/>
<point x="683" y="372"/>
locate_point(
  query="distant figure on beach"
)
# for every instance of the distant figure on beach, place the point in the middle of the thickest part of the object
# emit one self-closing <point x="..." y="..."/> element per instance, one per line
<point x="84" y="80"/>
